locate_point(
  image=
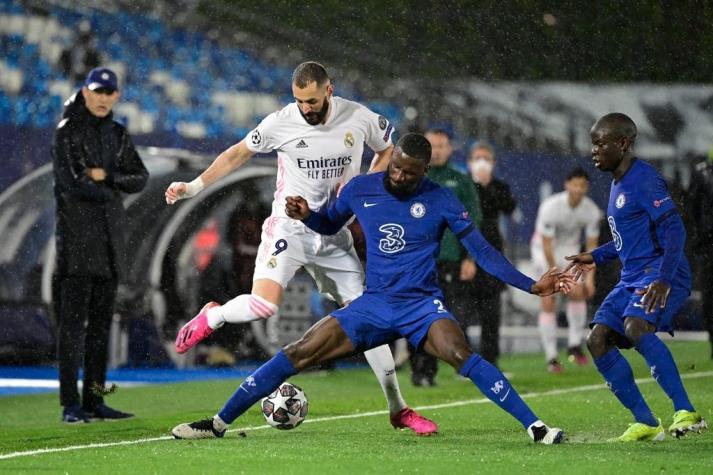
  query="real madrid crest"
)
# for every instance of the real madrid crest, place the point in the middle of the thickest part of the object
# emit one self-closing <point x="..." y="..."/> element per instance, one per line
<point x="272" y="263"/>
<point x="620" y="201"/>
<point x="418" y="210"/>
<point x="348" y="140"/>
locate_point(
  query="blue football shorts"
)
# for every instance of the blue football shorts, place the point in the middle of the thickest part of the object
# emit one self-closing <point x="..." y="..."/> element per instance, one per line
<point x="623" y="302"/>
<point x="373" y="320"/>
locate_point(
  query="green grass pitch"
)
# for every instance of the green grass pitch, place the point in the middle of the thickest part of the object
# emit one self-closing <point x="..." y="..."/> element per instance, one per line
<point x="475" y="436"/>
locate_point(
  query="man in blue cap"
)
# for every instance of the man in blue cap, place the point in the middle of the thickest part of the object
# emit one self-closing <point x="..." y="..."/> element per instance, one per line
<point x="95" y="162"/>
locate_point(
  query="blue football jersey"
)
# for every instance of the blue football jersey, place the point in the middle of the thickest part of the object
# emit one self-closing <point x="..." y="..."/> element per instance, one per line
<point x="403" y="235"/>
<point x="638" y="203"/>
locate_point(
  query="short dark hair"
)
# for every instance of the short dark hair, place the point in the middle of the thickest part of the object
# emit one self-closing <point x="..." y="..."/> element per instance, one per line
<point x="618" y="124"/>
<point x="415" y="146"/>
<point x="308" y="72"/>
<point x="577" y="173"/>
<point x="438" y="131"/>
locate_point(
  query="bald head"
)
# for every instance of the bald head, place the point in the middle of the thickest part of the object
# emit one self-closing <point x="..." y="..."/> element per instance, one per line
<point x="613" y="138"/>
<point x="616" y="125"/>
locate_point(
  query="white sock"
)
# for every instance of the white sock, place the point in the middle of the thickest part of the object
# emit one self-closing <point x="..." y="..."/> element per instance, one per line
<point x="547" y="323"/>
<point x="218" y="423"/>
<point x="576" y="320"/>
<point x="382" y="363"/>
<point x="243" y="308"/>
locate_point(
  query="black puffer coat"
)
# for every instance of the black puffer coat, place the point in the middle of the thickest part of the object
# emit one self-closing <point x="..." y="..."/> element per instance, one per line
<point x="90" y="215"/>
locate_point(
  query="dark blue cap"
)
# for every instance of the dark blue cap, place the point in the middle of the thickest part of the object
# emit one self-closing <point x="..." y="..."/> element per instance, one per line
<point x="99" y="78"/>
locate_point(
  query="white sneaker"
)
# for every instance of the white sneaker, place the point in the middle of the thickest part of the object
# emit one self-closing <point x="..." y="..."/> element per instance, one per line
<point x="541" y="434"/>
<point x="203" y="429"/>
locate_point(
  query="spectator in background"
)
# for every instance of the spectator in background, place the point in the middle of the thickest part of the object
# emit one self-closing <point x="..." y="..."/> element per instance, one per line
<point x="561" y="220"/>
<point x="82" y="56"/>
<point x="94" y="162"/>
<point x="454" y="265"/>
<point x="495" y="199"/>
<point x="700" y="195"/>
<point x="229" y="273"/>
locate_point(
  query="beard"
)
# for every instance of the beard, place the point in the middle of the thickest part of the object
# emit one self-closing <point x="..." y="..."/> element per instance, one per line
<point x="316" y="118"/>
<point x="400" y="192"/>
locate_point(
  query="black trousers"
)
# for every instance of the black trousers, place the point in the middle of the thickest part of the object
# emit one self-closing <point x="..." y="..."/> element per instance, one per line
<point x="488" y="311"/>
<point x="423" y="365"/>
<point x="84" y="306"/>
<point x="706" y="279"/>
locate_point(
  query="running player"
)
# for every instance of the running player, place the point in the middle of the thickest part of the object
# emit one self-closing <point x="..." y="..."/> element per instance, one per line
<point x="319" y="140"/>
<point x="561" y="220"/>
<point x="404" y="216"/>
<point x="648" y="238"/>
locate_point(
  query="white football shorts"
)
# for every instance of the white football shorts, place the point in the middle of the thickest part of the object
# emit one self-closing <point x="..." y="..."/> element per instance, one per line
<point x="287" y="245"/>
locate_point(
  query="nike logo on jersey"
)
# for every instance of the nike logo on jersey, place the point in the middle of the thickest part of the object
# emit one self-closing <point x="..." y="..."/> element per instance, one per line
<point x="502" y="399"/>
<point x="369" y="205"/>
<point x="301" y="144"/>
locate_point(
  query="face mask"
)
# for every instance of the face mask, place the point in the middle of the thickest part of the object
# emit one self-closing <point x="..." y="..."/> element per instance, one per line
<point x="480" y="167"/>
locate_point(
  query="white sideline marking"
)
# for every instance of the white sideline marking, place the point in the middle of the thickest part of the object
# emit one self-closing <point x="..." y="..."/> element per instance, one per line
<point x="554" y="392"/>
<point x="53" y="383"/>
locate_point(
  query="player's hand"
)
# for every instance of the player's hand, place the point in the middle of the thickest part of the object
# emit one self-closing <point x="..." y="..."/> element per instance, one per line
<point x="580" y="264"/>
<point x="467" y="270"/>
<point x="176" y="191"/>
<point x="96" y="174"/>
<point x="179" y="190"/>
<point x="296" y="207"/>
<point x="552" y="282"/>
<point x="654" y="296"/>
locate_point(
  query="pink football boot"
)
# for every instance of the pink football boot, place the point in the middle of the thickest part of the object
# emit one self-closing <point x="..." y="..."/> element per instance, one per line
<point x="195" y="331"/>
<point x="407" y="417"/>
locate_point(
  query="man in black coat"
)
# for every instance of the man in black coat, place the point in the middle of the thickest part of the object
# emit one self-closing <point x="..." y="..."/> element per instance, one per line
<point x="700" y="195"/>
<point x="495" y="199"/>
<point x="94" y="162"/>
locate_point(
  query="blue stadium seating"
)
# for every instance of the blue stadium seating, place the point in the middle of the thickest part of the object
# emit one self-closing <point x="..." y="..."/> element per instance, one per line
<point x="145" y="46"/>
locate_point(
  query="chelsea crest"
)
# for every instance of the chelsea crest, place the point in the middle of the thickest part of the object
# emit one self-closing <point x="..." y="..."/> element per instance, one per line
<point x="620" y="201"/>
<point x="418" y="210"/>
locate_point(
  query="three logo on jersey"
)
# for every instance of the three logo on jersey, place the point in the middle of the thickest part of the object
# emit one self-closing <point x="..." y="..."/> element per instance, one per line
<point x="394" y="239"/>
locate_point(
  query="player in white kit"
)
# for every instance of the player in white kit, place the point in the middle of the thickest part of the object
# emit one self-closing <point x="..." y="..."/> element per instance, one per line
<point x="561" y="220"/>
<point x="319" y="140"/>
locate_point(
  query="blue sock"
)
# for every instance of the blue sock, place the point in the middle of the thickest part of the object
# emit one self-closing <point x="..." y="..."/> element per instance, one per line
<point x="262" y="382"/>
<point x="664" y="370"/>
<point x="496" y="387"/>
<point x="620" y="379"/>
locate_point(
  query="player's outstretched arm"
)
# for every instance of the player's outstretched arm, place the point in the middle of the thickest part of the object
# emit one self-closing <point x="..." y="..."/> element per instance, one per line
<point x="381" y="160"/>
<point x="495" y="264"/>
<point x="327" y="223"/>
<point x="231" y="159"/>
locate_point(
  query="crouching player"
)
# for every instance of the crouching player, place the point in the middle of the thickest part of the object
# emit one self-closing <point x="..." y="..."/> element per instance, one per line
<point x="403" y="215"/>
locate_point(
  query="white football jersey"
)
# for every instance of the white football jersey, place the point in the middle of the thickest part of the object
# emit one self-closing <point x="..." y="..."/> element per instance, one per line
<point x="556" y="219"/>
<point x="314" y="161"/>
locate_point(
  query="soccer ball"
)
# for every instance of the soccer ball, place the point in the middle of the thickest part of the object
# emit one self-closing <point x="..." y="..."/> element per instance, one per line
<point x="286" y="407"/>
